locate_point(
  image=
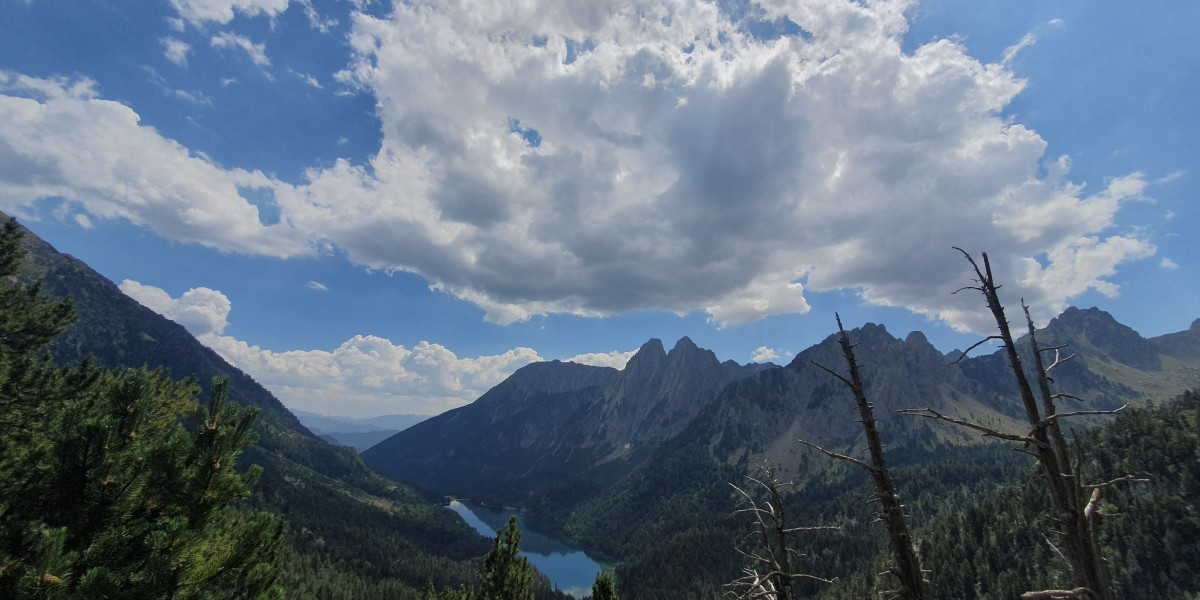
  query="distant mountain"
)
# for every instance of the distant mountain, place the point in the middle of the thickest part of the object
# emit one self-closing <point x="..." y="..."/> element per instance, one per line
<point x="327" y="423"/>
<point x="357" y="433"/>
<point x="349" y="528"/>
<point x="557" y="433"/>
<point x="359" y="440"/>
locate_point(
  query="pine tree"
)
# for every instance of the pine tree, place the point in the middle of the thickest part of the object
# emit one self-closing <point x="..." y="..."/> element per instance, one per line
<point x="506" y="574"/>
<point x="604" y="588"/>
<point x="104" y="492"/>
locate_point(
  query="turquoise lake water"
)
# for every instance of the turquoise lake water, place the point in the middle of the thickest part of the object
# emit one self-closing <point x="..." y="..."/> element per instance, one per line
<point x="569" y="569"/>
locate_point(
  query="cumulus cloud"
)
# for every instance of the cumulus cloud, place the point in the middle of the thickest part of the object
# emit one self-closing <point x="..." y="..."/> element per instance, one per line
<point x="764" y="354"/>
<point x="616" y="360"/>
<point x="370" y="376"/>
<point x="593" y="158"/>
<point x="202" y="311"/>
<point x="1168" y="264"/>
<point x="197" y="12"/>
<point x="365" y="376"/>
<point x="680" y="162"/>
<point x="60" y="140"/>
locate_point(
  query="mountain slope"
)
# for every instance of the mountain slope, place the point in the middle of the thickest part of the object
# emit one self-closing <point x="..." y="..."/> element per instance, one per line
<point x="351" y="530"/>
<point x="681" y="492"/>
<point x="554" y="434"/>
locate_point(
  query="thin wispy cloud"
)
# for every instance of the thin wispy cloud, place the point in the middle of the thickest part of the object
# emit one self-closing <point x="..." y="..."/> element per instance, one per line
<point x="257" y="53"/>
<point x="1027" y="40"/>
<point x="175" y="50"/>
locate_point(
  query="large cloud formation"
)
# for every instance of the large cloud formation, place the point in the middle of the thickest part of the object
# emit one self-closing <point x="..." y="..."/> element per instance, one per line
<point x="599" y="157"/>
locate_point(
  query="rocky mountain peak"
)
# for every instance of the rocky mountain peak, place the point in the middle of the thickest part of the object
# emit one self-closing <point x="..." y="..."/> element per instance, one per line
<point x="917" y="338"/>
<point x="1095" y="330"/>
<point x="649" y="355"/>
<point x="685" y="344"/>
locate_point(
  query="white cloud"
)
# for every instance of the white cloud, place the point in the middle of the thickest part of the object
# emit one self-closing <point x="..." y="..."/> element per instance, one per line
<point x="315" y="20"/>
<point x="175" y="50"/>
<point x="1173" y="176"/>
<point x="61" y="141"/>
<point x="309" y="80"/>
<point x="1027" y="40"/>
<point x="1011" y="52"/>
<point x="683" y="164"/>
<point x="365" y="376"/>
<point x="680" y="164"/>
<point x="202" y="311"/>
<point x="1168" y="264"/>
<point x="198" y="12"/>
<point x="764" y="354"/>
<point x="318" y="286"/>
<point x="369" y="376"/>
<point x="614" y="359"/>
<point x="233" y="41"/>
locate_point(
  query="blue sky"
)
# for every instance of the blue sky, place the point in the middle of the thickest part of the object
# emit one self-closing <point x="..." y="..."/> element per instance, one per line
<point x="381" y="208"/>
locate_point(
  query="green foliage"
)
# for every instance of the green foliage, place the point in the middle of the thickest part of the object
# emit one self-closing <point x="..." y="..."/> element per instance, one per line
<point x="604" y="588"/>
<point x="351" y="534"/>
<point x="105" y="492"/>
<point x="506" y="574"/>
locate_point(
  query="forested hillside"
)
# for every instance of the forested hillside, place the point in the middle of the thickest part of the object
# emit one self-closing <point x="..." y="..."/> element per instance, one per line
<point x="979" y="515"/>
<point x="350" y="533"/>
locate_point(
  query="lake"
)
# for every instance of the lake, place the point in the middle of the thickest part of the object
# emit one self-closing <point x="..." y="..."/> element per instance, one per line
<point x="569" y="569"/>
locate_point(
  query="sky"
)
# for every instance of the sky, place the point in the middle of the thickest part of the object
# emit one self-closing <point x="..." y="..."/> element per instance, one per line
<point x="379" y="207"/>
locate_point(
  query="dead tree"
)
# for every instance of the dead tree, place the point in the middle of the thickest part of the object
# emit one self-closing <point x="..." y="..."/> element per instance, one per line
<point x="1074" y="503"/>
<point x="907" y="567"/>
<point x="770" y="575"/>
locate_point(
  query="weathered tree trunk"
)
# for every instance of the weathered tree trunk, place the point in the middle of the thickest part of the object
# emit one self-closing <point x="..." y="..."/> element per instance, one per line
<point x="908" y="565"/>
<point x="1062" y="477"/>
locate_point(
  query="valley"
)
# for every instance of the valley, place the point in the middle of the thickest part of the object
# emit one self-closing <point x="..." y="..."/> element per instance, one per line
<point x="636" y="463"/>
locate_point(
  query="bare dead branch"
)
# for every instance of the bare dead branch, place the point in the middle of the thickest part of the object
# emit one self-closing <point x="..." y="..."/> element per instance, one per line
<point x="1123" y="479"/>
<point x="1081" y="413"/>
<point x="1066" y="395"/>
<point x="1080" y="593"/>
<point x="930" y="413"/>
<point x="985" y="340"/>
<point x="808" y="529"/>
<point x="773" y="553"/>
<point x="831" y="372"/>
<point x="835" y="455"/>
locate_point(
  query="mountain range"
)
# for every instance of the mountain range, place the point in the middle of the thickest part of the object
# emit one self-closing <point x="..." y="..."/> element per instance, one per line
<point x="357" y="433"/>
<point x="605" y="454"/>
<point x="624" y="462"/>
